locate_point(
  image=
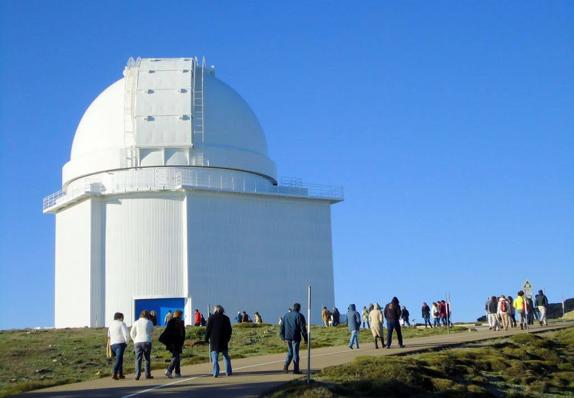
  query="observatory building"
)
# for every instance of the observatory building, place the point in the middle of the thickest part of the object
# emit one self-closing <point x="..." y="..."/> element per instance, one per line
<point x="170" y="201"/>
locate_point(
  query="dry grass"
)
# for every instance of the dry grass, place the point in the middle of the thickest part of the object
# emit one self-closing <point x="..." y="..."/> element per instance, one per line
<point x="524" y="365"/>
<point x="34" y="359"/>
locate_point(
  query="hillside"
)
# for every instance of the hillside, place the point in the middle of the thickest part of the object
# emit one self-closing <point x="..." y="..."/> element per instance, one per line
<point x="40" y="358"/>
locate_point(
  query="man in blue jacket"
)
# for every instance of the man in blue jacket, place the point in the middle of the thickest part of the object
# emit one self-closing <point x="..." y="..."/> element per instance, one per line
<point x="354" y="324"/>
<point x="293" y="326"/>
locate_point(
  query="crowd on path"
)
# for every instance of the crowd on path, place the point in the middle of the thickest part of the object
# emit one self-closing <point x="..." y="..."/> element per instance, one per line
<point x="502" y="312"/>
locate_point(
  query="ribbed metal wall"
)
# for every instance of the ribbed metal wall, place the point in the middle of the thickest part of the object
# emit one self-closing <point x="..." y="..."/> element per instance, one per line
<point x="73" y="266"/>
<point x="258" y="253"/>
<point x="144" y="249"/>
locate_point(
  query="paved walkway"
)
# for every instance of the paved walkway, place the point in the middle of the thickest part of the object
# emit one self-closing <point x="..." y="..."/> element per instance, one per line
<point x="256" y="375"/>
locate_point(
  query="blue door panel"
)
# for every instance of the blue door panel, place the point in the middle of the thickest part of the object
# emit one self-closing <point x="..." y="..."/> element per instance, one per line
<point x="160" y="305"/>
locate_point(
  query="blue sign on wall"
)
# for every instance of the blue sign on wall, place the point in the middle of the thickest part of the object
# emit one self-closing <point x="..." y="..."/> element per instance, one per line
<point x="161" y="306"/>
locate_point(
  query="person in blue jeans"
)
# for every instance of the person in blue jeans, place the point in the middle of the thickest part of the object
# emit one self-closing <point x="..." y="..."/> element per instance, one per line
<point x="392" y="315"/>
<point x="141" y="334"/>
<point x="118" y="337"/>
<point x="218" y="333"/>
<point x="354" y="325"/>
<point x="293" y="327"/>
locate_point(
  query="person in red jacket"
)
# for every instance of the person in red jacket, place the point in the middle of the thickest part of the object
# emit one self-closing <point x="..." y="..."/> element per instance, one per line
<point x="197" y="318"/>
<point x="442" y="311"/>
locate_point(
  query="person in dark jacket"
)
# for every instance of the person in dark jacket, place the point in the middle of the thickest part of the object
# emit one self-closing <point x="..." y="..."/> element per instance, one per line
<point x="542" y="304"/>
<point x="425" y="312"/>
<point x="530" y="308"/>
<point x="293" y="327"/>
<point x="405" y="314"/>
<point x="491" y="308"/>
<point x="245" y="317"/>
<point x="218" y="334"/>
<point x="392" y="315"/>
<point x="354" y="325"/>
<point x="336" y="316"/>
<point x="173" y="337"/>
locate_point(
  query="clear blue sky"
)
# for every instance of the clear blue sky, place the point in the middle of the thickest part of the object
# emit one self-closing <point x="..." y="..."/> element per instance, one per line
<point x="450" y="125"/>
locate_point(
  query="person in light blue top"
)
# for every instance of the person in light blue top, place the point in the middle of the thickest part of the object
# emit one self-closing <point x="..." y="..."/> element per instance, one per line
<point x="354" y="325"/>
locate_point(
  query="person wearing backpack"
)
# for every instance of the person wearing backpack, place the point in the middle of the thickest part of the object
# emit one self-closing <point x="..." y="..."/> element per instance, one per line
<point x="503" y="312"/>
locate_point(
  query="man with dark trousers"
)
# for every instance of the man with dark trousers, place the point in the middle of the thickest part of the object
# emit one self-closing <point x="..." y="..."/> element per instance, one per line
<point x="392" y="315"/>
<point x="293" y="327"/>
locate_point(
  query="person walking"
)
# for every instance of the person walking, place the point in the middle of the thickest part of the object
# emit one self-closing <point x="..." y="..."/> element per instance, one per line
<point x="435" y="314"/>
<point x="491" y="307"/>
<point x="336" y="316"/>
<point x="376" y="321"/>
<point x="405" y="316"/>
<point x="425" y="313"/>
<point x="392" y="315"/>
<point x="443" y="312"/>
<point x="173" y="337"/>
<point x="141" y="334"/>
<point x="365" y="316"/>
<point x="512" y="311"/>
<point x="218" y="333"/>
<point x="293" y="327"/>
<point x="118" y="338"/>
<point x="520" y="307"/>
<point x="238" y="317"/>
<point x="503" y="310"/>
<point x="325" y="315"/>
<point x="354" y="325"/>
<point x="542" y="305"/>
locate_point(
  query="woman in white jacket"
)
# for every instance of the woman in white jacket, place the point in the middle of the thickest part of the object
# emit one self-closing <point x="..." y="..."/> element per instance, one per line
<point x="141" y="333"/>
<point x="118" y="337"/>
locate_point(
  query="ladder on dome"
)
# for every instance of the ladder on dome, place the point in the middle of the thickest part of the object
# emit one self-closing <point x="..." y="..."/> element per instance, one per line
<point x="197" y="103"/>
<point x="130" y="158"/>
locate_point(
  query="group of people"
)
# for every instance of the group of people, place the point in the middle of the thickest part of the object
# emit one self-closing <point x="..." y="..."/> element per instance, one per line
<point x="374" y="317"/>
<point x="243" y="317"/>
<point x="439" y="312"/>
<point x="293" y="327"/>
<point x="502" y="312"/>
<point x="217" y="333"/>
<point x="330" y="318"/>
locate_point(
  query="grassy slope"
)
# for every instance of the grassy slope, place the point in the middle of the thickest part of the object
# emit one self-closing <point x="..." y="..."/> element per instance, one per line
<point x="524" y="365"/>
<point x="40" y="358"/>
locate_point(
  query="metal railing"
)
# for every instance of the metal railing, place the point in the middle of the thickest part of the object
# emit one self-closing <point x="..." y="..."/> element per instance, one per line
<point x="163" y="179"/>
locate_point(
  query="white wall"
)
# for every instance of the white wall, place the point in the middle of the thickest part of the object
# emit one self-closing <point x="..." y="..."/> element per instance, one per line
<point x="73" y="266"/>
<point x="144" y="249"/>
<point x="258" y="253"/>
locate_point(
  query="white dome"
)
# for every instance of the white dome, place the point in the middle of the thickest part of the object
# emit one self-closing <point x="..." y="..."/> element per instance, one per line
<point x="157" y="126"/>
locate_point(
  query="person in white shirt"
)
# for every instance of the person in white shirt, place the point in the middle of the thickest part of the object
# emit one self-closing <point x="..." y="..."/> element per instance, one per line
<point x="141" y="333"/>
<point x="118" y="338"/>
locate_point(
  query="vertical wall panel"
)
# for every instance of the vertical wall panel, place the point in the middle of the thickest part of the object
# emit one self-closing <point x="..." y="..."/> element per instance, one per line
<point x="73" y="269"/>
<point x="144" y="250"/>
